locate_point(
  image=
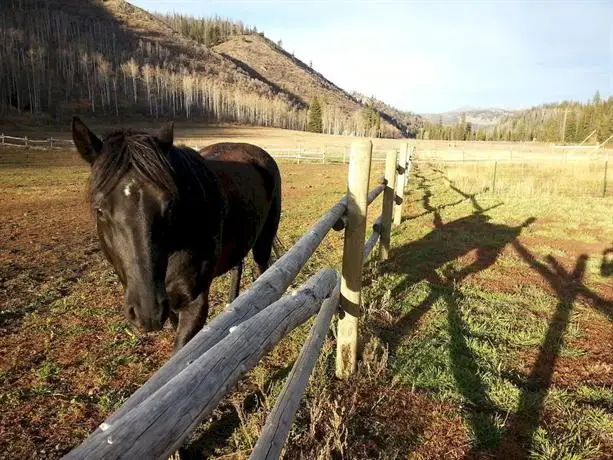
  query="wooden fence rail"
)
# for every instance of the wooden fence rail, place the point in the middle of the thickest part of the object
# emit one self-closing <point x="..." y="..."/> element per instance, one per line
<point x="156" y="428"/>
<point x="160" y="415"/>
<point x="275" y="431"/>
<point x="39" y="144"/>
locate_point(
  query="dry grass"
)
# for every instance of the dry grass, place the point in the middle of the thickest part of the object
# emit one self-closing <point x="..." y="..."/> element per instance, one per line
<point x="534" y="178"/>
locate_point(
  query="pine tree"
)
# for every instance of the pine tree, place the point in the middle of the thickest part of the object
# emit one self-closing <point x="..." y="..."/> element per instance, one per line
<point x="314" y="124"/>
<point x="372" y="119"/>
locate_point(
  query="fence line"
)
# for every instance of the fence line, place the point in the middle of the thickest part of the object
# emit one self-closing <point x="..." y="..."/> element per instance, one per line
<point x="331" y="154"/>
<point x="514" y="160"/>
<point x="297" y="154"/>
<point x="38" y="144"/>
<point x="496" y="163"/>
<point x="160" y="415"/>
<point x="566" y="154"/>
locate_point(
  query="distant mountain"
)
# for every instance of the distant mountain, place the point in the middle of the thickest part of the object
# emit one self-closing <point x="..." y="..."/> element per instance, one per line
<point x="474" y="115"/>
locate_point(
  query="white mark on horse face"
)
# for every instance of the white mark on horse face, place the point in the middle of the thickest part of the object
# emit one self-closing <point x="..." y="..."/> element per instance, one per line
<point x="130" y="188"/>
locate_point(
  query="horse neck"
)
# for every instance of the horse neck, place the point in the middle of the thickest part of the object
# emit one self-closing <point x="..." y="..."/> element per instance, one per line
<point x="200" y="201"/>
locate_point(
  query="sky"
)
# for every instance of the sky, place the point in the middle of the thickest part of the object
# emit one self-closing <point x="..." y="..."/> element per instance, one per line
<point x="435" y="56"/>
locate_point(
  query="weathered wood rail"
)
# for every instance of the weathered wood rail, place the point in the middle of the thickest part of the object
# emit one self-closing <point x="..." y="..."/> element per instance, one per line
<point x="159" y="416"/>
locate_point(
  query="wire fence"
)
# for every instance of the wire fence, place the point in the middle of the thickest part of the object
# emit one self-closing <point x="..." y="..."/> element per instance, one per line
<point x="528" y="177"/>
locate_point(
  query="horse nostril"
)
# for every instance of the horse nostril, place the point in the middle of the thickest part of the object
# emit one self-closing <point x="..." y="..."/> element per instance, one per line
<point x="131" y="313"/>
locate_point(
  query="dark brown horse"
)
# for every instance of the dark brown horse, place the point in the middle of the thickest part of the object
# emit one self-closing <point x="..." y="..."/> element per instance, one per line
<point x="170" y="220"/>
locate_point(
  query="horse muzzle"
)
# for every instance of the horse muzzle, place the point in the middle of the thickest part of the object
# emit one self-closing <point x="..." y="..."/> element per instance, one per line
<point x="149" y="319"/>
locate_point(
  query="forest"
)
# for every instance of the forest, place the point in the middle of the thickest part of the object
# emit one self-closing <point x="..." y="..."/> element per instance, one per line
<point x="62" y="60"/>
<point x="565" y="122"/>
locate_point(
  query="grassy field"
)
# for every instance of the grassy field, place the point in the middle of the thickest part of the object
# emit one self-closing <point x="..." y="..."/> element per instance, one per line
<point x="198" y="134"/>
<point x="487" y="334"/>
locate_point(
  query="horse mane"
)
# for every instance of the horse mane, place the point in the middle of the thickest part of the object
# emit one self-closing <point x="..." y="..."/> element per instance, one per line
<point x="127" y="150"/>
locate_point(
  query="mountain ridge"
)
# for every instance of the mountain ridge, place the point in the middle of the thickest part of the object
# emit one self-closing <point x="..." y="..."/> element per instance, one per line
<point x="488" y="116"/>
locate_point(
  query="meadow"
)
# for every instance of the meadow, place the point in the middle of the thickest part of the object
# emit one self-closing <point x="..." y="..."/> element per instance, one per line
<point x="487" y="333"/>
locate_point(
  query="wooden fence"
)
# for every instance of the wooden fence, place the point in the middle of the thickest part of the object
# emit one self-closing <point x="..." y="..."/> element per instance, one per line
<point x="28" y="143"/>
<point x="295" y="154"/>
<point x="160" y="415"/>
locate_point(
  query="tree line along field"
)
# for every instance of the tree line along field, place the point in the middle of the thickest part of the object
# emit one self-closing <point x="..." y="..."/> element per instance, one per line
<point x="564" y="122"/>
<point x="487" y="333"/>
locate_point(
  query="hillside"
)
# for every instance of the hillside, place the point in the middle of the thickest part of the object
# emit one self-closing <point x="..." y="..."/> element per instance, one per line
<point x="110" y="58"/>
<point x="408" y="123"/>
<point x="265" y="60"/>
<point x="567" y="122"/>
<point x="476" y="116"/>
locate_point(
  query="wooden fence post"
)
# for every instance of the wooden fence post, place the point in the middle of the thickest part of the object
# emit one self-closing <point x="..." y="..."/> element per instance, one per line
<point x="2" y="138"/>
<point x="604" y="182"/>
<point x="400" y="180"/>
<point x="51" y="142"/>
<point x="494" y="180"/>
<point x="388" y="204"/>
<point x="353" y="258"/>
<point x="26" y="141"/>
<point x="407" y="174"/>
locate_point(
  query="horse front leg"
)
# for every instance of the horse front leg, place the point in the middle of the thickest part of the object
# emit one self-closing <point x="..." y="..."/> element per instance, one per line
<point x="192" y="318"/>
<point x="235" y="282"/>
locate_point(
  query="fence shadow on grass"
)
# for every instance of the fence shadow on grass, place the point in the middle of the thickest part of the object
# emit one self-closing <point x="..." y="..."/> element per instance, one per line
<point x="606" y="266"/>
<point x="568" y="286"/>
<point x="423" y="259"/>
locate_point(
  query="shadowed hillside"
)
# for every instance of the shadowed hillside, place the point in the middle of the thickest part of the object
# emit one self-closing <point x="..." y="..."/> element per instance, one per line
<point x="111" y="58"/>
<point x="408" y="123"/>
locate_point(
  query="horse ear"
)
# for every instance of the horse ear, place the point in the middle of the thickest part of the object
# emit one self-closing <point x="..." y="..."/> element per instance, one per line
<point x="88" y="145"/>
<point x="165" y="135"/>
